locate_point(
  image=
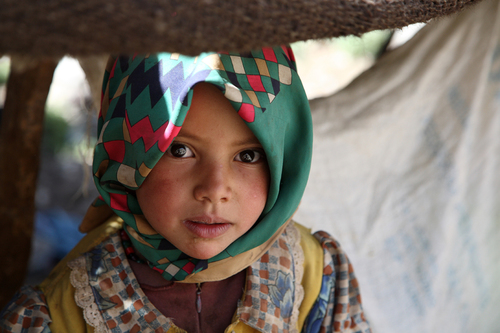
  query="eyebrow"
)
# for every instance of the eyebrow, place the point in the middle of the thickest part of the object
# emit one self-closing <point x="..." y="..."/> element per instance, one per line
<point x="193" y="136"/>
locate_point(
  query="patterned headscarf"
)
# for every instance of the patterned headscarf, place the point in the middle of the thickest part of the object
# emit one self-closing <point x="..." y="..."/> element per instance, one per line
<point x="145" y="100"/>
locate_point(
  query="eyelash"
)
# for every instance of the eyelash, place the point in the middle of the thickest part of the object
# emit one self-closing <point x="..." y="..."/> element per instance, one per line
<point x="256" y="155"/>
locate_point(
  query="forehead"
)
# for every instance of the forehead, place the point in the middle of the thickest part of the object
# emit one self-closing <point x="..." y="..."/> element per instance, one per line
<point x="212" y="117"/>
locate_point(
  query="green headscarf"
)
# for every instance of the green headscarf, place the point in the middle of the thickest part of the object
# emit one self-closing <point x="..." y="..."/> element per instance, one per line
<point x="145" y="100"/>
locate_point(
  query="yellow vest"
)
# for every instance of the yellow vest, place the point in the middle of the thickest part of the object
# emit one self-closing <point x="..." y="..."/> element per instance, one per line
<point x="67" y="316"/>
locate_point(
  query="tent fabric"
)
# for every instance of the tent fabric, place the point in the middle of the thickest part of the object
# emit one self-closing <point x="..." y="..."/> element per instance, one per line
<point x="406" y="175"/>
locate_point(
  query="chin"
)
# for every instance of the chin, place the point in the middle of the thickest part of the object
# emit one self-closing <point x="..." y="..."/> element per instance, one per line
<point x="203" y="254"/>
<point x="202" y="257"/>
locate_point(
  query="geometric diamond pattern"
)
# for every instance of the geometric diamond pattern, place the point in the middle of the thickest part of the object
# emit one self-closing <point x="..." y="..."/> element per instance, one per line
<point x="252" y="75"/>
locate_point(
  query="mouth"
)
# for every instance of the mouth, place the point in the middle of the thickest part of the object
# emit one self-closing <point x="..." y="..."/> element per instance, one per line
<point x="207" y="227"/>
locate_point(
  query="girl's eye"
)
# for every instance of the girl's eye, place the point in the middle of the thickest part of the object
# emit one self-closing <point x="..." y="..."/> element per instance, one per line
<point x="249" y="156"/>
<point x="180" y="151"/>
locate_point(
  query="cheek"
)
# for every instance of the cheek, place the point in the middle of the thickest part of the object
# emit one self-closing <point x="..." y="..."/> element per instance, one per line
<point x="256" y="188"/>
<point x="156" y="192"/>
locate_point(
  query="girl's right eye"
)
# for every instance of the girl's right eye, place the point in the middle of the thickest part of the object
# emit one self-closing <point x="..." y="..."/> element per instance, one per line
<point x="179" y="150"/>
<point x="250" y="156"/>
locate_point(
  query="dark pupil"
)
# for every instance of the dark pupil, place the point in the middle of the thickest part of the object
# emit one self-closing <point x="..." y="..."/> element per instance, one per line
<point x="178" y="150"/>
<point x="247" y="156"/>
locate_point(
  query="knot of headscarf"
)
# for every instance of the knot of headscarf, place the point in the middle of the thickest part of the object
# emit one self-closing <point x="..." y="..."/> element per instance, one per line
<point x="144" y="103"/>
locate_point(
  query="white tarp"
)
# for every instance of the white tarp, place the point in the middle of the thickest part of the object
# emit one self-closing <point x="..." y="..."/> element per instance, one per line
<point x="406" y="175"/>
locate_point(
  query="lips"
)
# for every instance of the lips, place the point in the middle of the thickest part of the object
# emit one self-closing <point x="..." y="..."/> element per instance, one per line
<point x="207" y="226"/>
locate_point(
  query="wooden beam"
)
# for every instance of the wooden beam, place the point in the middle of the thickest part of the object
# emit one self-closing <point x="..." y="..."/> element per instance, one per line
<point x="20" y="138"/>
<point x="86" y="27"/>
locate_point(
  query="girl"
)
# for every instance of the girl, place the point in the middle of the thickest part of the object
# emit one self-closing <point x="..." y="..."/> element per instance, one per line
<point x="203" y="161"/>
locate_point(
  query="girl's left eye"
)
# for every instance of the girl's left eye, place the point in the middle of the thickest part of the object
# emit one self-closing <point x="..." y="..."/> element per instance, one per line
<point x="180" y="151"/>
<point x="249" y="156"/>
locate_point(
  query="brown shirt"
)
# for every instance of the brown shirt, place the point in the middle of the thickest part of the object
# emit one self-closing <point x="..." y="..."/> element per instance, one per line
<point x="175" y="300"/>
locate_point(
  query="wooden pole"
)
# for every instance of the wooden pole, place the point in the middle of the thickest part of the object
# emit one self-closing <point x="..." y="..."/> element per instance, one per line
<point x="20" y="138"/>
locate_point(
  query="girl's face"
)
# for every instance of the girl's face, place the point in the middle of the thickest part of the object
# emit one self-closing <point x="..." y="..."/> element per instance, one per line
<point x="211" y="185"/>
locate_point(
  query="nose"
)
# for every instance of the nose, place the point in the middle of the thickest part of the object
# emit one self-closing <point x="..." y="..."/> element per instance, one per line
<point x="213" y="183"/>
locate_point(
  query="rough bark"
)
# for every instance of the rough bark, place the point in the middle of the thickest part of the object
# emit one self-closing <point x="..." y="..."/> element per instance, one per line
<point x="58" y="27"/>
<point x="20" y="137"/>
